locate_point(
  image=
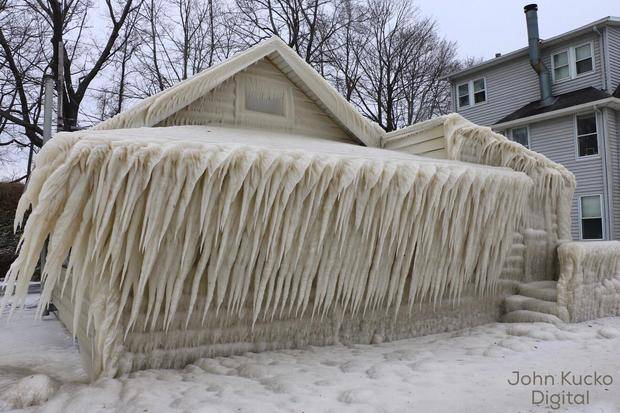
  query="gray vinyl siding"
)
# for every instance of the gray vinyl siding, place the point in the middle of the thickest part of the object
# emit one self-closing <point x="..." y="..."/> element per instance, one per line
<point x="514" y="83"/>
<point x="555" y="138"/>
<point x="594" y="78"/>
<point x="613" y="51"/>
<point x="509" y="86"/>
<point x="613" y="146"/>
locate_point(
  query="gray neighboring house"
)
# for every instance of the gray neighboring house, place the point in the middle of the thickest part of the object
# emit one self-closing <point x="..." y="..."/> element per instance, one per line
<point x="559" y="97"/>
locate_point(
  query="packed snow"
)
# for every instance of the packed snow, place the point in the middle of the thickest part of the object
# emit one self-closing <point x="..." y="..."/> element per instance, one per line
<point x="462" y="371"/>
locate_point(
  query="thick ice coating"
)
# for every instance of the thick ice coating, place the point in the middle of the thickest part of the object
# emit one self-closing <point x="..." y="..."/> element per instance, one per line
<point x="237" y="220"/>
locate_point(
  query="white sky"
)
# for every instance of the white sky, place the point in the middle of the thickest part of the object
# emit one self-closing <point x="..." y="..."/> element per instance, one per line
<point x="480" y="27"/>
<point x="483" y="27"/>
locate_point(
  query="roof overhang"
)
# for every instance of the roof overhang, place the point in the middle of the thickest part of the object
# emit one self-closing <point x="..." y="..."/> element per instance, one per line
<point x="611" y="102"/>
<point x="588" y="28"/>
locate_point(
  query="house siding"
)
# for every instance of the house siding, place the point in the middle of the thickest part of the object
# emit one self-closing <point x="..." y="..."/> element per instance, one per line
<point x="593" y="79"/>
<point x="509" y="86"/>
<point x="514" y="84"/>
<point x="613" y="51"/>
<point x="555" y="138"/>
<point x="218" y="107"/>
<point x="613" y="138"/>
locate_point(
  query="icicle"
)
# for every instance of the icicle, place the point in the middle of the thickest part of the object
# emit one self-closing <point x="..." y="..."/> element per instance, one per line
<point x="171" y="232"/>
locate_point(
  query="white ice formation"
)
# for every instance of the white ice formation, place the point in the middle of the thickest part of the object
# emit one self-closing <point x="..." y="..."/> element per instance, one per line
<point x="226" y="223"/>
<point x="186" y="239"/>
<point x="589" y="282"/>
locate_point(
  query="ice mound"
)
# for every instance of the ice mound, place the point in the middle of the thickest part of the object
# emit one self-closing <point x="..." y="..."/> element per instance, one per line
<point x="30" y="391"/>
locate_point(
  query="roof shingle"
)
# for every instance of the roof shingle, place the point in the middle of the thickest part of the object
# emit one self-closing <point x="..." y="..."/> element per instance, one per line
<point x="565" y="100"/>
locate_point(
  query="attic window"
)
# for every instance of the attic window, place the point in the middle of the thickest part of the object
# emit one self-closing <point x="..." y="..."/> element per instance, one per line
<point x="259" y="101"/>
<point x="264" y="102"/>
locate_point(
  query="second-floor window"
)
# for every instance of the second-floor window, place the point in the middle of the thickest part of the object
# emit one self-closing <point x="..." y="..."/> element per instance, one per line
<point x="471" y="93"/>
<point x="583" y="59"/>
<point x="587" y="139"/>
<point x="572" y="62"/>
<point x="561" y="70"/>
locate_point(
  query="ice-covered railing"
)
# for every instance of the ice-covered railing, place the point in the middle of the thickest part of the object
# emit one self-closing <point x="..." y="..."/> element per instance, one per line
<point x="589" y="283"/>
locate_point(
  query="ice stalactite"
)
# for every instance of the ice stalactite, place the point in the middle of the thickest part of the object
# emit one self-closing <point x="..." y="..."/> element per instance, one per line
<point x="239" y="226"/>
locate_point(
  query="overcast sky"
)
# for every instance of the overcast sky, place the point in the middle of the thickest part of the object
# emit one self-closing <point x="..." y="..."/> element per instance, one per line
<point x="484" y="27"/>
<point x="481" y="28"/>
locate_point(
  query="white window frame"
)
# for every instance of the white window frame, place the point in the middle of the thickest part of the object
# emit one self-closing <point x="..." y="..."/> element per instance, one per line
<point x="572" y="63"/>
<point x="470" y="90"/>
<point x="576" y="137"/>
<point x="591" y="57"/>
<point x="526" y="127"/>
<point x="570" y="72"/>
<point x="600" y="197"/>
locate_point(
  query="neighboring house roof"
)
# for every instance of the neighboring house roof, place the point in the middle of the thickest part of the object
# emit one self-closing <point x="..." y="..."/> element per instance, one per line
<point x="565" y="100"/>
<point x="606" y="21"/>
<point x="154" y="109"/>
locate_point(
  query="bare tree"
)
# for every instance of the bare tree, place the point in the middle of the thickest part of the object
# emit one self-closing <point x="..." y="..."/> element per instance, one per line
<point x="179" y="39"/>
<point x="25" y="33"/>
<point x="401" y="62"/>
<point x="305" y="25"/>
<point x="382" y="55"/>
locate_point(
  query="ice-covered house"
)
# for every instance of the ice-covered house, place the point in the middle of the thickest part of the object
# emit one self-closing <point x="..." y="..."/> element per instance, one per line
<point x="251" y="208"/>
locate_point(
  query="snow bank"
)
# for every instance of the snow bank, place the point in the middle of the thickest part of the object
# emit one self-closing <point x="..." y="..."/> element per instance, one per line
<point x="460" y="371"/>
<point x="30" y="391"/>
<point x="589" y="283"/>
<point x="171" y="228"/>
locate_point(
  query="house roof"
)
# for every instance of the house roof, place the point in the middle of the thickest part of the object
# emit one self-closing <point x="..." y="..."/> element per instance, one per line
<point x="565" y="100"/>
<point x="154" y="109"/>
<point x="616" y="93"/>
<point x="605" y="21"/>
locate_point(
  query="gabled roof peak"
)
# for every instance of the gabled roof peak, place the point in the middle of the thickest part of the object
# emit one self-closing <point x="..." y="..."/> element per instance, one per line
<point x="154" y="109"/>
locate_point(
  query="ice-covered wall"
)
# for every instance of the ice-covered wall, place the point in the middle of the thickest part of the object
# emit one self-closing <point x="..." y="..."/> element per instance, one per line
<point x="547" y="217"/>
<point x="589" y="283"/>
<point x="207" y="234"/>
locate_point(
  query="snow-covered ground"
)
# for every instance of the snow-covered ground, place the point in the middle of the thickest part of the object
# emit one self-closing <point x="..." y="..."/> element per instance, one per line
<point x="463" y="371"/>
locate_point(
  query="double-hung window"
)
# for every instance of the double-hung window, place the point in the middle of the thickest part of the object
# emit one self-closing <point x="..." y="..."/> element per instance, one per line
<point x="572" y="62"/>
<point x="471" y="93"/>
<point x="463" y="91"/>
<point x="561" y="68"/>
<point x="587" y="137"/>
<point x="583" y="59"/>
<point x="520" y="135"/>
<point x="591" y="217"/>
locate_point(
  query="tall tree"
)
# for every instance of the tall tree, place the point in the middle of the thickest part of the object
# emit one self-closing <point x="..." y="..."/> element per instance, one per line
<point x="30" y="34"/>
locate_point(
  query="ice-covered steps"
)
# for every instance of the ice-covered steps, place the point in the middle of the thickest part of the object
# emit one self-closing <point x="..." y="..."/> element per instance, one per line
<point x="521" y="302"/>
<point x="526" y="316"/>
<point x="535" y="302"/>
<point x="542" y="290"/>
